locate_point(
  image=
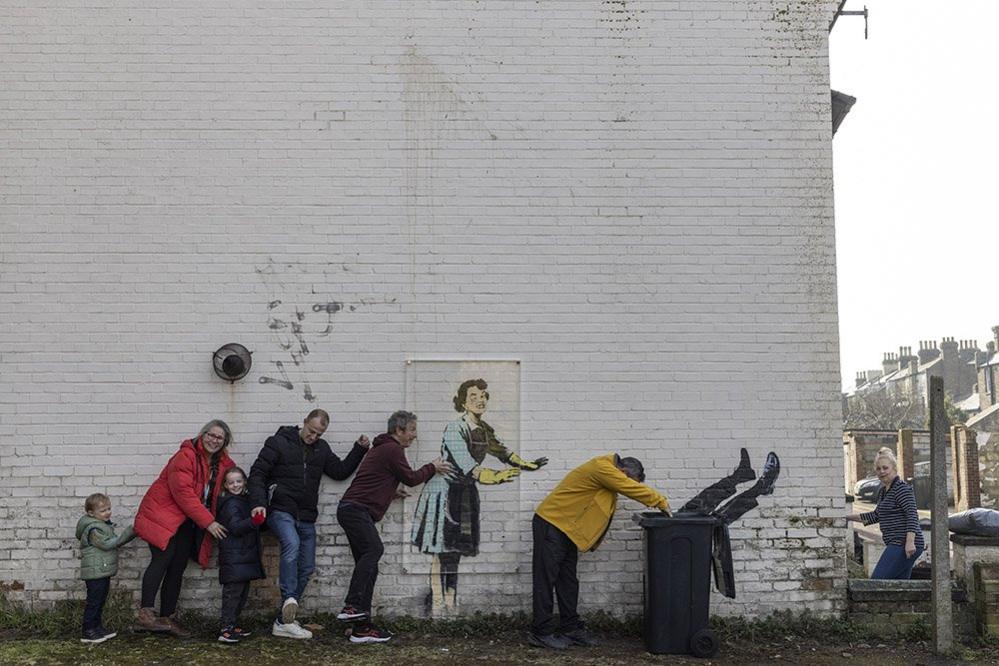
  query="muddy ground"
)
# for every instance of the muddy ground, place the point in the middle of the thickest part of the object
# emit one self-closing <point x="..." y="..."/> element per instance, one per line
<point x="330" y="646"/>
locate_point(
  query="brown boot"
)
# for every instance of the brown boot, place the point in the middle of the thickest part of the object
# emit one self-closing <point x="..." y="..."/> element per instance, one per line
<point x="148" y="620"/>
<point x="176" y="628"/>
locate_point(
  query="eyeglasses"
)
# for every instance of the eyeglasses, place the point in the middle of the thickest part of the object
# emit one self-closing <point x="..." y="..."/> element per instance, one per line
<point x="212" y="435"/>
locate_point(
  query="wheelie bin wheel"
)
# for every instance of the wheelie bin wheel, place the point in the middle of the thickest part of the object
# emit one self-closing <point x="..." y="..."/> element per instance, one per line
<point x="704" y="643"/>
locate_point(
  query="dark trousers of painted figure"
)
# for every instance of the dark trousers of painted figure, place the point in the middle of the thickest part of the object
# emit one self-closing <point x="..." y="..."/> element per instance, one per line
<point x="707" y="503"/>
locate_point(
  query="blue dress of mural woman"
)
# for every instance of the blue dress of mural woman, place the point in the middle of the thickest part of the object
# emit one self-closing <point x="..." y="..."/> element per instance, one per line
<point x="446" y="522"/>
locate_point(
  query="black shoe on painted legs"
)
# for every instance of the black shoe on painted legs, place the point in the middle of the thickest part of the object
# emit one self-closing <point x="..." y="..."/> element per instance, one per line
<point x="744" y="472"/>
<point x="771" y="470"/>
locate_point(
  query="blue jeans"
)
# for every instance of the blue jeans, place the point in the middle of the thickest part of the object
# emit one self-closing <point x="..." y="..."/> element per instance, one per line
<point x="894" y="565"/>
<point x="298" y="552"/>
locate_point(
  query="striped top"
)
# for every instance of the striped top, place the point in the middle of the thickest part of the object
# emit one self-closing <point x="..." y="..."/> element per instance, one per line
<point x="896" y="512"/>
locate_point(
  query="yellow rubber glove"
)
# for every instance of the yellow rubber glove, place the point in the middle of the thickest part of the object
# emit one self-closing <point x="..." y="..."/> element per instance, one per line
<point x="664" y="507"/>
<point x="490" y="477"/>
<point x="517" y="461"/>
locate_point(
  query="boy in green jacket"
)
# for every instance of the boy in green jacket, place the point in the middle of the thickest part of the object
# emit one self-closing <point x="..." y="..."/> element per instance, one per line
<point x="99" y="561"/>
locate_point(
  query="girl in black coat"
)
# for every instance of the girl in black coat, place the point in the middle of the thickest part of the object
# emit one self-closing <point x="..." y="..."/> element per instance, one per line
<point x="239" y="553"/>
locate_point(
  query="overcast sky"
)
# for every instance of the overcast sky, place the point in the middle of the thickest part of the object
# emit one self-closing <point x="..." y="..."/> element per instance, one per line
<point x="917" y="234"/>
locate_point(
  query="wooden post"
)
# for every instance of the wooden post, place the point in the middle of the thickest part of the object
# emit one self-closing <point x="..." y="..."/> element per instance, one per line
<point x="967" y="478"/>
<point x="957" y="463"/>
<point x="943" y="627"/>
<point x="855" y="460"/>
<point x="904" y="454"/>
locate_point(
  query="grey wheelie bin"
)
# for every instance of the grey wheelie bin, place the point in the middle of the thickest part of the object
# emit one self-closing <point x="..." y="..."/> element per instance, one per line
<point x="677" y="583"/>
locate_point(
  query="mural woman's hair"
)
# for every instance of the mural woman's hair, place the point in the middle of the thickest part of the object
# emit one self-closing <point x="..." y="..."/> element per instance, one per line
<point x="459" y="399"/>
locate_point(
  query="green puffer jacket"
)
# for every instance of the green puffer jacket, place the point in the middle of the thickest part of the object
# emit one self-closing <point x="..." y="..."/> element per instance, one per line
<point x="99" y="547"/>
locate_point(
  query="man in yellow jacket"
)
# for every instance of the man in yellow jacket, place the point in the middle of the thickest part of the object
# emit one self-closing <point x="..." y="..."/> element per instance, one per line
<point x="575" y="517"/>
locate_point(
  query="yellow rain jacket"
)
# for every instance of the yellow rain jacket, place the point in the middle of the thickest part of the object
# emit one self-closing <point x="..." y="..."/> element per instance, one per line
<point x="583" y="504"/>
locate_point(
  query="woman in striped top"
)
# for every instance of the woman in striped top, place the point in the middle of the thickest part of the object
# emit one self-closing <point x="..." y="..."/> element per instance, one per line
<point x="896" y="513"/>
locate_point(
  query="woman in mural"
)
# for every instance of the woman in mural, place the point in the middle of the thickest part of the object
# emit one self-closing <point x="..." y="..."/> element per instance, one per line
<point x="446" y="522"/>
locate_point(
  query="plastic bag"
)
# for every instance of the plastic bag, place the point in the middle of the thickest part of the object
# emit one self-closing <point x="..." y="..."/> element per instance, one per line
<point x="978" y="522"/>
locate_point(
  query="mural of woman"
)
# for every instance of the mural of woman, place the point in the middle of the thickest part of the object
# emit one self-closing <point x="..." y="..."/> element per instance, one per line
<point x="446" y="522"/>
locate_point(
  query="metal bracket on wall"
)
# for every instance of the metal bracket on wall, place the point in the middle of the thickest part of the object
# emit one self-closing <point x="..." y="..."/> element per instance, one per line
<point x="842" y="12"/>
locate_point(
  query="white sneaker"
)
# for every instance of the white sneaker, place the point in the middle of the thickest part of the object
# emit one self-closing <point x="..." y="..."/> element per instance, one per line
<point x="289" y="610"/>
<point x="290" y="630"/>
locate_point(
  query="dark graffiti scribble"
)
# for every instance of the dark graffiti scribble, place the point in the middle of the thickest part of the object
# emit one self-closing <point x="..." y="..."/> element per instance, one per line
<point x="279" y="382"/>
<point x="330" y="308"/>
<point x="296" y="330"/>
<point x="292" y="325"/>
<point x="283" y="383"/>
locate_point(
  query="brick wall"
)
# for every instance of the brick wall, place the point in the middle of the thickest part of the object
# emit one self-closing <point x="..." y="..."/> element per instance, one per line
<point x="634" y="199"/>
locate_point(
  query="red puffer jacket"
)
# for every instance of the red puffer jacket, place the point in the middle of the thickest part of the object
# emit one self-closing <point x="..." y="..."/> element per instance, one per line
<point x="176" y="496"/>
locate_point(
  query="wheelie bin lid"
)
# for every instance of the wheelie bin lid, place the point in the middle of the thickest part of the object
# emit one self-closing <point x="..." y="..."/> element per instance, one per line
<point x="660" y="519"/>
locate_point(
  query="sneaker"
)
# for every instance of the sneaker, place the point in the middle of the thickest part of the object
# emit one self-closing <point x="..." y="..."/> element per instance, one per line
<point x="289" y="609"/>
<point x="229" y="635"/>
<point x="242" y="633"/>
<point x="369" y="634"/>
<point x="581" y="636"/>
<point x="771" y="470"/>
<point x="97" y="635"/>
<point x="744" y="472"/>
<point x="350" y="613"/>
<point x="550" y="641"/>
<point x="290" y="630"/>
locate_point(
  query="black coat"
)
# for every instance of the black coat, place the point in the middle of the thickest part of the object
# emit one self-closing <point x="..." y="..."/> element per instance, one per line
<point x="295" y="469"/>
<point x="239" y="552"/>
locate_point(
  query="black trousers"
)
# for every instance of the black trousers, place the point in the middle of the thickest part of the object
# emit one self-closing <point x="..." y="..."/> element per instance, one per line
<point x="708" y="499"/>
<point x="554" y="568"/>
<point x="166" y="570"/>
<point x="366" y="547"/>
<point x="233" y="600"/>
<point x="721" y="549"/>
<point x="97" y="594"/>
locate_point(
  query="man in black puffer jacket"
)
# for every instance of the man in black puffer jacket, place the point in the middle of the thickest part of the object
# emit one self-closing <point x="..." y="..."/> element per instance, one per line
<point x="289" y="469"/>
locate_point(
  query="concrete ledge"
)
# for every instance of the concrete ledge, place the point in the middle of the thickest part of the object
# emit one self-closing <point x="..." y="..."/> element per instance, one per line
<point x="860" y="589"/>
<point x="974" y="540"/>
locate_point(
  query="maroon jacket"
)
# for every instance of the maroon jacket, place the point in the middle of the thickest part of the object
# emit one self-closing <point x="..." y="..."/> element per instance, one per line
<point x="383" y="467"/>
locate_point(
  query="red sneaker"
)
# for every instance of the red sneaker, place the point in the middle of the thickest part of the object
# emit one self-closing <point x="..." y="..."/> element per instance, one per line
<point x="349" y="613"/>
<point x="369" y="634"/>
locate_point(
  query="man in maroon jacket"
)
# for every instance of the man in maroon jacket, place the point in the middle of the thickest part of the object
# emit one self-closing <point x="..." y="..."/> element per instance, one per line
<point x="365" y="502"/>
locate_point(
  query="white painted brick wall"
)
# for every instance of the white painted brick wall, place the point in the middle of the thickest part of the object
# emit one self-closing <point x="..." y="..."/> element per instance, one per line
<point x="633" y="197"/>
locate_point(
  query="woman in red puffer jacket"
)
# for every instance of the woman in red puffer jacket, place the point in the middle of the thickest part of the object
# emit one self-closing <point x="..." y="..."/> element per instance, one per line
<point x="173" y="517"/>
